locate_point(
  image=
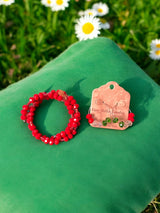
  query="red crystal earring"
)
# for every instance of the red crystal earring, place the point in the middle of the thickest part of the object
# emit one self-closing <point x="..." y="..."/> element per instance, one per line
<point x="28" y="111"/>
<point x="110" y="107"/>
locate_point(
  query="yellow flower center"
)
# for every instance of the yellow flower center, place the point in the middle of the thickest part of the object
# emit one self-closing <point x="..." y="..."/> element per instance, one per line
<point x="90" y="13"/>
<point x="59" y="2"/>
<point x="5" y="0"/>
<point x="48" y="1"/>
<point x="158" y="45"/>
<point x="158" y="52"/>
<point x="100" y="10"/>
<point x="87" y="28"/>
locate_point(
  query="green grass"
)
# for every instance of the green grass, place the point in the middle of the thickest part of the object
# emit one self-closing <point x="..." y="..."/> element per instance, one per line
<point x="31" y="35"/>
<point x="154" y="206"/>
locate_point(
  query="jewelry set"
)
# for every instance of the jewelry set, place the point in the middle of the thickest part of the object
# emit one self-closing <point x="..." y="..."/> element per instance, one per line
<point x="109" y="109"/>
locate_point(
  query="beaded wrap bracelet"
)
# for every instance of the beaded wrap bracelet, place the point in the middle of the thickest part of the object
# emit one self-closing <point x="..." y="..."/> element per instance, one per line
<point x="28" y="111"/>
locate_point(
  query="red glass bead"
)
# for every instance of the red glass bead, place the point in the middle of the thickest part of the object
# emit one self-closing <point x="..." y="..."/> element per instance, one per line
<point x="31" y="126"/>
<point x="66" y="139"/>
<point x="30" y="114"/>
<point x="59" y="98"/>
<point x="35" y="131"/>
<point x="70" y="98"/>
<point x="51" y="142"/>
<point x="67" y="131"/>
<point x="52" y="137"/>
<point x="55" y="95"/>
<point x="23" y="117"/>
<point x="131" y="114"/>
<point x="46" y="140"/>
<point x="23" y="112"/>
<point x="75" y="106"/>
<point x="36" y="97"/>
<point x="71" y="112"/>
<point x="56" y="141"/>
<point x="73" y="102"/>
<point x="32" y="109"/>
<point x="38" y="136"/>
<point x="88" y="116"/>
<point x="58" y="136"/>
<point x="52" y="91"/>
<point x="69" y="125"/>
<point x="67" y="103"/>
<point x="70" y="136"/>
<point x="76" y="120"/>
<point x="43" y="137"/>
<point x="74" y="124"/>
<point x="131" y="119"/>
<point x="77" y="115"/>
<point x="46" y="97"/>
<point x="90" y="120"/>
<point x="74" y="132"/>
<point x="41" y="96"/>
<point x="29" y="119"/>
<point x="50" y="95"/>
<point x="69" y="107"/>
<point x="71" y="120"/>
<point x="31" y="100"/>
<point x="63" y="134"/>
<point x="35" y="104"/>
<point x="33" y="134"/>
<point x="25" y="107"/>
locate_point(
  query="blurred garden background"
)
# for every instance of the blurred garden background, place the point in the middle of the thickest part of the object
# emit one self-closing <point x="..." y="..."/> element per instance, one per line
<point x="31" y="35"/>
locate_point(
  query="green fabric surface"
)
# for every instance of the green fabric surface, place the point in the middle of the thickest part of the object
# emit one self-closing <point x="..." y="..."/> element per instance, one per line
<point x="99" y="170"/>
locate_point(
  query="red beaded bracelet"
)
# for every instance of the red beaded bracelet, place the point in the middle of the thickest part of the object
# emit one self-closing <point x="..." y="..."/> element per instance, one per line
<point x="27" y="115"/>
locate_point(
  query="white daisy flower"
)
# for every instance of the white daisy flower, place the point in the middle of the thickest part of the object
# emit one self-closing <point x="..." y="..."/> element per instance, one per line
<point x="60" y="5"/>
<point x="47" y="3"/>
<point x="87" y="27"/>
<point x="101" y="8"/>
<point x="6" y="2"/>
<point x="90" y="12"/>
<point x="81" y="13"/>
<point x="155" y="54"/>
<point x="104" y="24"/>
<point x="155" y="44"/>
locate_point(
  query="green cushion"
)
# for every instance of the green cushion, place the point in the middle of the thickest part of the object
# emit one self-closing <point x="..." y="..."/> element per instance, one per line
<point x="99" y="170"/>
